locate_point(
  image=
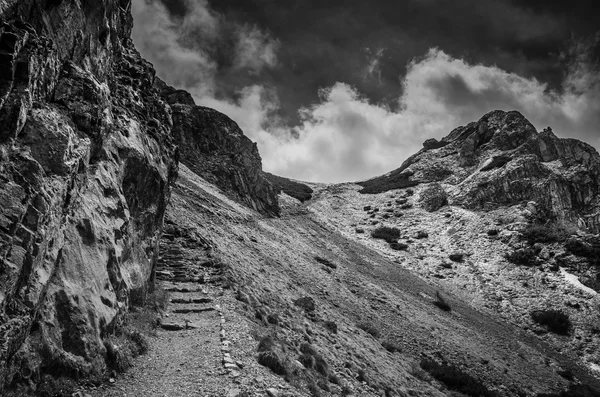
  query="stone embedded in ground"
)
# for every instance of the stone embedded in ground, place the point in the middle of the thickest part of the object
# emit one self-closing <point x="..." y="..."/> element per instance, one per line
<point x="196" y="310"/>
<point x="172" y="326"/>
<point x="273" y="392"/>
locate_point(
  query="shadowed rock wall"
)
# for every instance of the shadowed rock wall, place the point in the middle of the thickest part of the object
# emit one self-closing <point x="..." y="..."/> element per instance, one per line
<point x="86" y="164"/>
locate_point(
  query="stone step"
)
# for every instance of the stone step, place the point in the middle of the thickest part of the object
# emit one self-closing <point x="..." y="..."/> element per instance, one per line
<point x="196" y="310"/>
<point x="191" y="300"/>
<point x="185" y="290"/>
<point x="178" y="327"/>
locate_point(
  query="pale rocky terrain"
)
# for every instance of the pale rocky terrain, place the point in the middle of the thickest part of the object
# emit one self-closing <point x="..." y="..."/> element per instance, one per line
<point x="271" y="263"/>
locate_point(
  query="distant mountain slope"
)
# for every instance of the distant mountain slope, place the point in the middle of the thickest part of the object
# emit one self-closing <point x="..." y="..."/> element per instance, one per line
<point x="501" y="159"/>
<point x="336" y="311"/>
<point x="292" y="188"/>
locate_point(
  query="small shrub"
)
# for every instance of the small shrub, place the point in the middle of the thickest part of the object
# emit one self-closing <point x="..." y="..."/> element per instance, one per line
<point x="389" y="234"/>
<point x="369" y="328"/>
<point x="307" y="303"/>
<point x="406" y="206"/>
<point x="589" y="250"/>
<point x="399" y="246"/>
<point x="455" y="379"/>
<point x="362" y="375"/>
<point x="441" y="303"/>
<point x="323" y="385"/>
<point x="492" y="232"/>
<point x="271" y="360"/>
<point x="266" y="343"/>
<point x="314" y="389"/>
<point x="273" y="319"/>
<point x="555" y="320"/>
<point x="401" y="201"/>
<point x="359" y="230"/>
<point x="546" y="233"/>
<point x="311" y="359"/>
<point x="523" y="257"/>
<point x="331" y="326"/>
<point x="51" y="386"/>
<point x="390" y="346"/>
<point x="367" y="208"/>
<point x="456" y="257"/>
<point x="422" y="234"/>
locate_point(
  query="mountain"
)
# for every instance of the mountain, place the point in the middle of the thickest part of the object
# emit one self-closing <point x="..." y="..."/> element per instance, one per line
<point x="500" y="160"/>
<point x="470" y="270"/>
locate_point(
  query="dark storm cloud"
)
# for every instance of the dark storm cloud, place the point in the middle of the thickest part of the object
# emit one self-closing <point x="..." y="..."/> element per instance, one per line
<point x="347" y="90"/>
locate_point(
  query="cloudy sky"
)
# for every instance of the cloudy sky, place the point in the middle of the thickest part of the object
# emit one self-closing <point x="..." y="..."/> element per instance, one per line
<point x="336" y="90"/>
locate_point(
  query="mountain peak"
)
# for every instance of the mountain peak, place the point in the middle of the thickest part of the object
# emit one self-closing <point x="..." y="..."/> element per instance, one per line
<point x="501" y="160"/>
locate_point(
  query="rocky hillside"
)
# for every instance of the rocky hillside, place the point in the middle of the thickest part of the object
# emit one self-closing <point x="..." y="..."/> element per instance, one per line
<point x="212" y="145"/>
<point x="472" y="269"/>
<point x="501" y="160"/>
<point x="88" y="155"/>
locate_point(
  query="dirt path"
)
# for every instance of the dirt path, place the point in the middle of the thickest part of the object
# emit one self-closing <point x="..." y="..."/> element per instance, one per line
<point x="185" y="357"/>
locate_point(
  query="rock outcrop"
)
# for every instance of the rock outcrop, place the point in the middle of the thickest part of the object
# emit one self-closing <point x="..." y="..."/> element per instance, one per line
<point x="214" y="147"/>
<point x="501" y="160"/>
<point x="86" y="163"/>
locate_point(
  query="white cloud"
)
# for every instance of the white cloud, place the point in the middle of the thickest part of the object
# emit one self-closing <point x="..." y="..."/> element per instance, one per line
<point x="255" y="49"/>
<point x="184" y="51"/>
<point x="344" y="137"/>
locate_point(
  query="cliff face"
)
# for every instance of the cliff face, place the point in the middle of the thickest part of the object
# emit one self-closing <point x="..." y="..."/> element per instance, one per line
<point x="214" y="147"/>
<point x="86" y="164"/>
<point x="502" y="160"/>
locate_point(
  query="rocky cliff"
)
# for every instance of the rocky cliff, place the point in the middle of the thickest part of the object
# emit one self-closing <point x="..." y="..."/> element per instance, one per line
<point x="501" y="160"/>
<point x="214" y="147"/>
<point x="87" y="160"/>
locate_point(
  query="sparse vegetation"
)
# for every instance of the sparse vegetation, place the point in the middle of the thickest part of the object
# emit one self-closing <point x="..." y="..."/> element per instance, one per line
<point x="441" y="303"/>
<point x="129" y="338"/>
<point x="422" y="234"/>
<point x="457" y="257"/>
<point x="331" y="326"/>
<point x="391" y="346"/>
<point x="523" y="256"/>
<point x="271" y="360"/>
<point x="297" y="190"/>
<point x="389" y="234"/>
<point x="311" y="359"/>
<point x="555" y="320"/>
<point x="369" y="328"/>
<point x="307" y="303"/>
<point x="587" y="249"/>
<point x="546" y="233"/>
<point x="399" y="246"/>
<point x="457" y="380"/>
